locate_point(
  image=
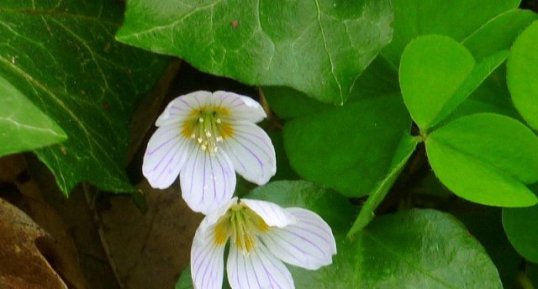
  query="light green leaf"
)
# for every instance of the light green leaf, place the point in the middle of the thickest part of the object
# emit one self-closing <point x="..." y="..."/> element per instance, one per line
<point x="486" y="158"/>
<point x="22" y="125"/>
<point x="521" y="227"/>
<point x="316" y="47"/>
<point x="350" y="148"/>
<point x="499" y="33"/>
<point x="63" y="58"/>
<point x="366" y="215"/>
<point x="522" y="73"/>
<point x="457" y="19"/>
<point x="431" y="70"/>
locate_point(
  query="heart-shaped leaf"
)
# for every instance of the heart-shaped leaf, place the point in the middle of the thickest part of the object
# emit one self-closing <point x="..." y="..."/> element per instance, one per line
<point x="349" y="148"/>
<point x="64" y="59"/>
<point x="431" y="70"/>
<point x="316" y="47"/>
<point x="486" y="158"/>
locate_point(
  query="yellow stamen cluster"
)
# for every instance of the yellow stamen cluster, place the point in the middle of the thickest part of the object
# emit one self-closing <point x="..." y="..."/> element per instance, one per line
<point x="241" y="224"/>
<point x="207" y="127"/>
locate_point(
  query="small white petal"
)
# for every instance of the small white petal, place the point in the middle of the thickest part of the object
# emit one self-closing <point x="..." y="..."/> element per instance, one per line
<point x="309" y="243"/>
<point x="251" y="152"/>
<point x="165" y="154"/>
<point x="258" y="269"/>
<point x="182" y="106"/>
<point x="241" y="107"/>
<point x="272" y="214"/>
<point x="207" y="180"/>
<point x="207" y="259"/>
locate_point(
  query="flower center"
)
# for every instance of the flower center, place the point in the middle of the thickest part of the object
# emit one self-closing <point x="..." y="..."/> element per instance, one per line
<point x="242" y="225"/>
<point x="207" y="126"/>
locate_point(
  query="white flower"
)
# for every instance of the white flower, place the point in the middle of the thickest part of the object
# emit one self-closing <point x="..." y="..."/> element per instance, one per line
<point x="262" y="236"/>
<point x="204" y="137"/>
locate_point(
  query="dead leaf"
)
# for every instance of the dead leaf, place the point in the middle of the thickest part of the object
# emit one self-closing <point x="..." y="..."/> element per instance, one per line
<point x="62" y="251"/>
<point x="22" y="265"/>
<point x="150" y="250"/>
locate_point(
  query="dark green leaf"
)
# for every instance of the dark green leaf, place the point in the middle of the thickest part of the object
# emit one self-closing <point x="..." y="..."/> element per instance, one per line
<point x="414" y="249"/>
<point x="485" y="224"/>
<point x="350" y="148"/>
<point x="378" y="79"/>
<point x="316" y="47"/>
<point x="521" y="227"/>
<point x="63" y="58"/>
<point x="288" y="103"/>
<point x="403" y="153"/>
<point x="522" y="73"/>
<point x="457" y="19"/>
<point x="486" y="158"/>
<point x="22" y="125"/>
<point x="431" y="70"/>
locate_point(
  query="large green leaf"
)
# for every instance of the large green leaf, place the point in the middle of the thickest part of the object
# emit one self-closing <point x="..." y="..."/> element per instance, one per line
<point x="412" y="249"/>
<point x="317" y="47"/>
<point x="522" y="74"/>
<point x="457" y="19"/>
<point x="62" y="56"/>
<point x="486" y="158"/>
<point x="521" y="227"/>
<point x="349" y="148"/>
<point x="22" y="125"/>
<point x="431" y="70"/>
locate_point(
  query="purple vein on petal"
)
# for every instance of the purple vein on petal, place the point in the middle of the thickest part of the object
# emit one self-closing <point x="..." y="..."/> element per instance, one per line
<point x="322" y="237"/>
<point x="224" y="178"/>
<point x="204" y="187"/>
<point x="253" y="154"/>
<point x="161" y="160"/>
<point x="254" y="270"/>
<point x="193" y="170"/>
<point x="149" y="153"/>
<point x="268" y="155"/>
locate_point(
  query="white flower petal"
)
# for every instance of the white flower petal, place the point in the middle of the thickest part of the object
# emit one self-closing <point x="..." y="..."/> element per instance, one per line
<point x="309" y="243"/>
<point x="165" y="155"/>
<point x="207" y="180"/>
<point x="182" y="106"/>
<point x="207" y="259"/>
<point x="258" y="269"/>
<point x="272" y="214"/>
<point x="241" y="107"/>
<point x="251" y="152"/>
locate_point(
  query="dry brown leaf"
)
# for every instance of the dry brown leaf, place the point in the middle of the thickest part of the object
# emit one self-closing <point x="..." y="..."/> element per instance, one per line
<point x="150" y="250"/>
<point x="60" y="246"/>
<point x="22" y="265"/>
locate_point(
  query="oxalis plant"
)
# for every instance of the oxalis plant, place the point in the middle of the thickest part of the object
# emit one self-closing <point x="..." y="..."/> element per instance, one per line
<point x="347" y="144"/>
